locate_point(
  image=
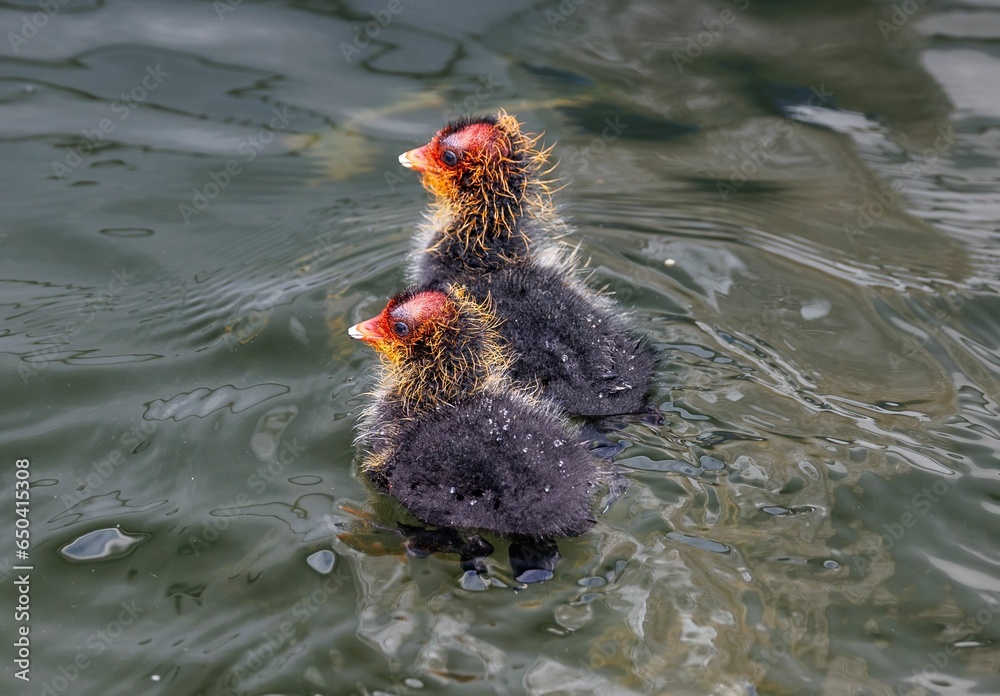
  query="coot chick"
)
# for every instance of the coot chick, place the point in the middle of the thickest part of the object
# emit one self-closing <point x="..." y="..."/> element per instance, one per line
<point x="493" y="228"/>
<point x="451" y="436"/>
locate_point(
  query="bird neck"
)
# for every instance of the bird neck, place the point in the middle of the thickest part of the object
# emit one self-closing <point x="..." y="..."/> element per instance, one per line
<point x="484" y="231"/>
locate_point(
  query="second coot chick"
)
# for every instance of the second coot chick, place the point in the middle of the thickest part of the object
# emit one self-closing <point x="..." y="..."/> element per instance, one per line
<point x="492" y="228"/>
<point x="450" y="435"/>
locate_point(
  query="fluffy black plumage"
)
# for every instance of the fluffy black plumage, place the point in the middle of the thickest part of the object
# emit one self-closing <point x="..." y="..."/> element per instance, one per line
<point x="567" y="338"/>
<point x="495" y="463"/>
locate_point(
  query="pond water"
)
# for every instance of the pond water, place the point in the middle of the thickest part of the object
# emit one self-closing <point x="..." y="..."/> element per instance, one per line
<point x="797" y="201"/>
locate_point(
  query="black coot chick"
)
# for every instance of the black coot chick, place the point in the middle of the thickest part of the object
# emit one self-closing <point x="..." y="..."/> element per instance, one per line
<point x="493" y="229"/>
<point x="451" y="436"/>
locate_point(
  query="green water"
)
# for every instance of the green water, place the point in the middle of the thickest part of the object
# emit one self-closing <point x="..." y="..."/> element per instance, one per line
<point x="799" y="203"/>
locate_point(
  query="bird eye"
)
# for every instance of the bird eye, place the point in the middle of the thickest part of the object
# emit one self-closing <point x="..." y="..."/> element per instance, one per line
<point x="449" y="157"/>
<point x="401" y="329"/>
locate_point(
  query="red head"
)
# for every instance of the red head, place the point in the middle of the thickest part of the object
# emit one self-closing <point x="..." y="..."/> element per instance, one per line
<point x="472" y="155"/>
<point x="408" y="319"/>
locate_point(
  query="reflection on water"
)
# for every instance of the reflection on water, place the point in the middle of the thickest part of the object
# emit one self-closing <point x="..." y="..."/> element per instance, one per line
<point x="103" y="544"/>
<point x="798" y="200"/>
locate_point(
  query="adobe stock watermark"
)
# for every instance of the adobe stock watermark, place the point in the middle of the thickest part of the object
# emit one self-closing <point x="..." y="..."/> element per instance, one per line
<point x="947" y="305"/>
<point x="473" y="103"/>
<point x="122" y="107"/>
<point x="258" y="480"/>
<point x="714" y="28"/>
<point x="784" y="308"/>
<point x="922" y="502"/>
<point x="219" y="523"/>
<point x="248" y="149"/>
<point x="900" y="15"/>
<point x="758" y="153"/>
<point x="938" y="660"/>
<point x="910" y="348"/>
<point x="32" y="24"/>
<point x="365" y="33"/>
<point x="610" y="650"/>
<point x="224" y="7"/>
<point x="249" y="322"/>
<point x="886" y="198"/>
<point x="120" y="280"/>
<point x="778" y="652"/>
<point x="393" y="177"/>
<point x="914" y="347"/>
<point x="96" y="643"/>
<point x="273" y="641"/>
<point x="565" y="9"/>
<point x="102" y="470"/>
<point x="579" y="158"/>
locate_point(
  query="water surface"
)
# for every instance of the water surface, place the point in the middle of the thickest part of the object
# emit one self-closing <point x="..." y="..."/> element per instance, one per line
<point x="798" y="202"/>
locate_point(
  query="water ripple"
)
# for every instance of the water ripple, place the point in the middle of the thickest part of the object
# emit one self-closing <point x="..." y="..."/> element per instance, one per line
<point x="204" y="401"/>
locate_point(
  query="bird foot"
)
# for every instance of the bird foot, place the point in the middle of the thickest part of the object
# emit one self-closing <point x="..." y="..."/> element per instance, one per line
<point x="533" y="560"/>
